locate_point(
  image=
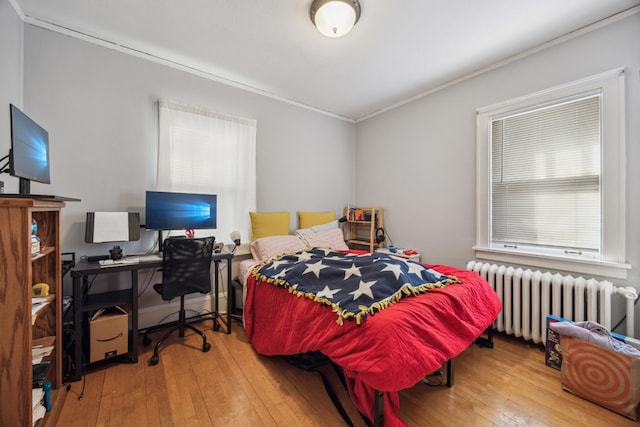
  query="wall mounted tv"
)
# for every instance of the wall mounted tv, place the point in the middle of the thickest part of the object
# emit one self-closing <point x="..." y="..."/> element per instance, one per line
<point x="29" y="155"/>
<point x="180" y="211"/>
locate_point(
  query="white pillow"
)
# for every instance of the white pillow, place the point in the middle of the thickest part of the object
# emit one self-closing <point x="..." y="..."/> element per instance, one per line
<point x="317" y="228"/>
<point x="333" y="239"/>
<point x="267" y="247"/>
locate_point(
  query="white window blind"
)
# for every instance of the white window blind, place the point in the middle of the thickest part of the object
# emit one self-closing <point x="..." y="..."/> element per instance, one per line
<point x="551" y="178"/>
<point x="545" y="183"/>
<point x="202" y="151"/>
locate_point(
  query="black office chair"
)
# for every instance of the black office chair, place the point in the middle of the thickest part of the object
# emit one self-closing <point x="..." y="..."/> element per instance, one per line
<point x="186" y="269"/>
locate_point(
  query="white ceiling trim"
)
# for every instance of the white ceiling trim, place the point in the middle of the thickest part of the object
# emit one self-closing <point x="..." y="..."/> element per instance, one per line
<point x="170" y="63"/>
<point x="214" y="77"/>
<point x="17" y="8"/>
<point x="513" y="58"/>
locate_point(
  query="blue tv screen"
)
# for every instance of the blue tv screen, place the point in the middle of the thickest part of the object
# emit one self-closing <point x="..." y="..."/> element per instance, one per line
<point x="180" y="211"/>
<point x="29" y="148"/>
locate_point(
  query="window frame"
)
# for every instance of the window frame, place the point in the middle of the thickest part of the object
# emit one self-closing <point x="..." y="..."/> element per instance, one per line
<point x="236" y="190"/>
<point x="611" y="262"/>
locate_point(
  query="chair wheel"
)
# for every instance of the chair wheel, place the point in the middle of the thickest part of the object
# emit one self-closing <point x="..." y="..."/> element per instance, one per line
<point x="154" y="360"/>
<point x="146" y="340"/>
<point x="206" y="347"/>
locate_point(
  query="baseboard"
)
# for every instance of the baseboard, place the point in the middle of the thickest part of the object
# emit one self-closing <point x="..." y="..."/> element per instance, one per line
<point x="153" y="315"/>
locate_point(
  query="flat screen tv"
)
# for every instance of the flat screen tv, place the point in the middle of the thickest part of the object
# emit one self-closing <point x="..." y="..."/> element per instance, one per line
<point x="180" y="211"/>
<point x="29" y="155"/>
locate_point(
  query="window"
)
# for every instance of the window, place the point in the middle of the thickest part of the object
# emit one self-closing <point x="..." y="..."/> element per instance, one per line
<point x="551" y="178"/>
<point x="201" y="151"/>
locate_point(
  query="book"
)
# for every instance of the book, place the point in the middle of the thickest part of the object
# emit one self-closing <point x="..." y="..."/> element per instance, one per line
<point x="553" y="356"/>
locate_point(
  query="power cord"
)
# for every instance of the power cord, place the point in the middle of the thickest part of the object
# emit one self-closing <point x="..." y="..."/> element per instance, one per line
<point x="148" y="280"/>
<point x="5" y="167"/>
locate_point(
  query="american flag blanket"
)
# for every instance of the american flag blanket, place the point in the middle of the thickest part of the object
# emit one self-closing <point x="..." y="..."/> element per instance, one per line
<point x="352" y="285"/>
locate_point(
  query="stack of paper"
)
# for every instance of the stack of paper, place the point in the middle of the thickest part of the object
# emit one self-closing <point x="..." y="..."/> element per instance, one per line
<point x="38" y="304"/>
<point x="38" y="352"/>
<point x="37" y="408"/>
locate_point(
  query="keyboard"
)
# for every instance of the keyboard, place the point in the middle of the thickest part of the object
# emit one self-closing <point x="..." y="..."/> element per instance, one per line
<point x="114" y="262"/>
<point x="147" y="257"/>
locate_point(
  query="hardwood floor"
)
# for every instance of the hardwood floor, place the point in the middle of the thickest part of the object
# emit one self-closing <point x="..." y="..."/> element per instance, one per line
<point x="231" y="385"/>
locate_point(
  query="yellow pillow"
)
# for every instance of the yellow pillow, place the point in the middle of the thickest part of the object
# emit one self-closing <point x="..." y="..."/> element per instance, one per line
<point x="269" y="224"/>
<point x="310" y="219"/>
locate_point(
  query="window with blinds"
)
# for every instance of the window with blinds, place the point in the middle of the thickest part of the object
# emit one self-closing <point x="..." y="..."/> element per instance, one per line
<point x="551" y="178"/>
<point x="545" y="177"/>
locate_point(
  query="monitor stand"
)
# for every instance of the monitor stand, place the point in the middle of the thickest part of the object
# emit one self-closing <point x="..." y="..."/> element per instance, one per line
<point x="24" y="186"/>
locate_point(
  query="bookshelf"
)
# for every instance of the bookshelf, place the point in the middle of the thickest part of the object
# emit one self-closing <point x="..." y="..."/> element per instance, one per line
<point x="23" y="329"/>
<point x="362" y="227"/>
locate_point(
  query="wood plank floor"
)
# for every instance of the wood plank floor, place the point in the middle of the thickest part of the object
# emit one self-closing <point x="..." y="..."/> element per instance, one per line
<point x="231" y="385"/>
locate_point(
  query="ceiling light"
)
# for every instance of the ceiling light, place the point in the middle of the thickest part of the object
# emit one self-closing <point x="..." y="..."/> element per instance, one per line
<point x="335" y="18"/>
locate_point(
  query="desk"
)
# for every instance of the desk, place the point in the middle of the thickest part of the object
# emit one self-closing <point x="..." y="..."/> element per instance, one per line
<point x="84" y="302"/>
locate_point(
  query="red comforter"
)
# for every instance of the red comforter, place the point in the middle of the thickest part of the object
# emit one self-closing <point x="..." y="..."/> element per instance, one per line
<point x="392" y="350"/>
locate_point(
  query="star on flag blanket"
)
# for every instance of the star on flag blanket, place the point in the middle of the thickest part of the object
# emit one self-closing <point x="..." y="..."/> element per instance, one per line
<point x="351" y="285"/>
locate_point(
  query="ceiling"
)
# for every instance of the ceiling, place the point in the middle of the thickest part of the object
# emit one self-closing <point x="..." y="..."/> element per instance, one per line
<point x="397" y="50"/>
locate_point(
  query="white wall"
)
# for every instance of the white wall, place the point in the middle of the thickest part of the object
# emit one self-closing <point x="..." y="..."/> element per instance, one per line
<point x="99" y="106"/>
<point x="10" y="79"/>
<point x="418" y="161"/>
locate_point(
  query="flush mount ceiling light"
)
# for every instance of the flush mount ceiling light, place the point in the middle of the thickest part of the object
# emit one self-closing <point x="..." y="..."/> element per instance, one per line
<point x="335" y="18"/>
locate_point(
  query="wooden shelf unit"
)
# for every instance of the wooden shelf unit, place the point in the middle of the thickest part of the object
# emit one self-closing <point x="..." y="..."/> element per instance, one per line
<point x="21" y="332"/>
<point x="361" y="233"/>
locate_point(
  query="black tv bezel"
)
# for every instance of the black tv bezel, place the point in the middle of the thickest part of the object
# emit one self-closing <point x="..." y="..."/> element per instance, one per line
<point x="25" y="179"/>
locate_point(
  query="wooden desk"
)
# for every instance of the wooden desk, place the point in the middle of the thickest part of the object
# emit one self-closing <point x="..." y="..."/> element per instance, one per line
<point x="84" y="302"/>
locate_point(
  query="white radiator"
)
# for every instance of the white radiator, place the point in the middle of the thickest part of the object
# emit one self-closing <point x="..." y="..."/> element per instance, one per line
<point x="529" y="296"/>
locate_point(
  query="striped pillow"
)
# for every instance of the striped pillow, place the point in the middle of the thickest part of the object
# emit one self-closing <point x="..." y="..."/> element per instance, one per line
<point x="267" y="247"/>
<point x="333" y="239"/>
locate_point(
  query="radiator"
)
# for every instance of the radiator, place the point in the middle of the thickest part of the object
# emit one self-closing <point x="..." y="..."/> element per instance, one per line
<point x="529" y="296"/>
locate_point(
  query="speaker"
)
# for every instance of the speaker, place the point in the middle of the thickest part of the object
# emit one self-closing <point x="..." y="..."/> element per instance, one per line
<point x="116" y="253"/>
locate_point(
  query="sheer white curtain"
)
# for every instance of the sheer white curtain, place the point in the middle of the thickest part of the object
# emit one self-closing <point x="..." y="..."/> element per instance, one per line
<point x="202" y="151"/>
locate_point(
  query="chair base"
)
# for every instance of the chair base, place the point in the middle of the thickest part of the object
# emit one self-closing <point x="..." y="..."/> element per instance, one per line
<point x="180" y="325"/>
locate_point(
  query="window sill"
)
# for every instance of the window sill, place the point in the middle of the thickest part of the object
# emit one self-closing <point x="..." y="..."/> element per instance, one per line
<point x="582" y="266"/>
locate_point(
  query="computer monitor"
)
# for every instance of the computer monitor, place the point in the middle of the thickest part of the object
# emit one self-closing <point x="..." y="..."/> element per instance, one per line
<point x="180" y="211"/>
<point x="29" y="155"/>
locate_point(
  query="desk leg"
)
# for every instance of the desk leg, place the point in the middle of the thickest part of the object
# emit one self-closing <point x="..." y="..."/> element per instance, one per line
<point x="229" y="289"/>
<point x="216" y="304"/>
<point x="133" y="339"/>
<point x="216" y="312"/>
<point x="77" y="326"/>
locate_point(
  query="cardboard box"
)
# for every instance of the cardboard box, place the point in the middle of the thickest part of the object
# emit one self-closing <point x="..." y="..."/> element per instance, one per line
<point x="108" y="333"/>
<point x="606" y="377"/>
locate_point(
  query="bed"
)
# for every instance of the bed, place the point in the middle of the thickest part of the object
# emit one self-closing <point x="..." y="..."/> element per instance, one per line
<point x="385" y="349"/>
